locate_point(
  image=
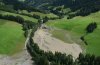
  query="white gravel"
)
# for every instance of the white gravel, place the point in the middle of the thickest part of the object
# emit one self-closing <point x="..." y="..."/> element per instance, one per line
<point x="48" y="43"/>
<point x="22" y="58"/>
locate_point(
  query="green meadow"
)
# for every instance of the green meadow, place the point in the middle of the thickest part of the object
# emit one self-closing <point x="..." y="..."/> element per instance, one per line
<point x="23" y="16"/>
<point x="11" y="37"/>
<point x="75" y="27"/>
<point x="42" y="15"/>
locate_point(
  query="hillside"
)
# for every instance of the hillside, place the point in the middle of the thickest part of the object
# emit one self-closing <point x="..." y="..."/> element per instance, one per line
<point x="49" y="32"/>
<point x="76" y="28"/>
<point x="81" y="7"/>
<point x="11" y="37"/>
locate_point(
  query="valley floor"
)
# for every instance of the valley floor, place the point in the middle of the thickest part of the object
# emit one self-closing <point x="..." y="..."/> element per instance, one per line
<point x="22" y="58"/>
<point x="48" y="43"/>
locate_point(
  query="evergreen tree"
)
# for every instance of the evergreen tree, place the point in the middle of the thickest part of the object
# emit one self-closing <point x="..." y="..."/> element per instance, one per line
<point x="91" y="27"/>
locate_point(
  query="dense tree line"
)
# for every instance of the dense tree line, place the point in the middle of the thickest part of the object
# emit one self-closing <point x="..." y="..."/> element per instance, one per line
<point x="48" y="58"/>
<point x="85" y="6"/>
<point x="41" y="57"/>
<point x="18" y="5"/>
<point x="88" y="59"/>
<point x="26" y="23"/>
<point x="18" y="19"/>
<point x="81" y="7"/>
<point x="46" y="18"/>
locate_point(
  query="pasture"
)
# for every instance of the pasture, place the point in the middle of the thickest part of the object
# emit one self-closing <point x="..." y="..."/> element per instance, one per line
<point x="11" y="37"/>
<point x="77" y="26"/>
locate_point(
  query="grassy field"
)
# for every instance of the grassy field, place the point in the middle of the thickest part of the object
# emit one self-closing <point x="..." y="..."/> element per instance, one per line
<point x="77" y="26"/>
<point x="25" y="17"/>
<point x="11" y="37"/>
<point x="64" y="35"/>
<point x="42" y="15"/>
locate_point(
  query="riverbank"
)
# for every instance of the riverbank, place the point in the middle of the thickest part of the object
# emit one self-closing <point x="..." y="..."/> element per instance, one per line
<point x="22" y="58"/>
<point x="48" y="43"/>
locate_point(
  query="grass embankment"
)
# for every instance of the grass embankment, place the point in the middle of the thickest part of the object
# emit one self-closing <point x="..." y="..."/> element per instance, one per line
<point x="11" y="37"/>
<point x="42" y="15"/>
<point x="77" y="26"/>
<point x="23" y="16"/>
